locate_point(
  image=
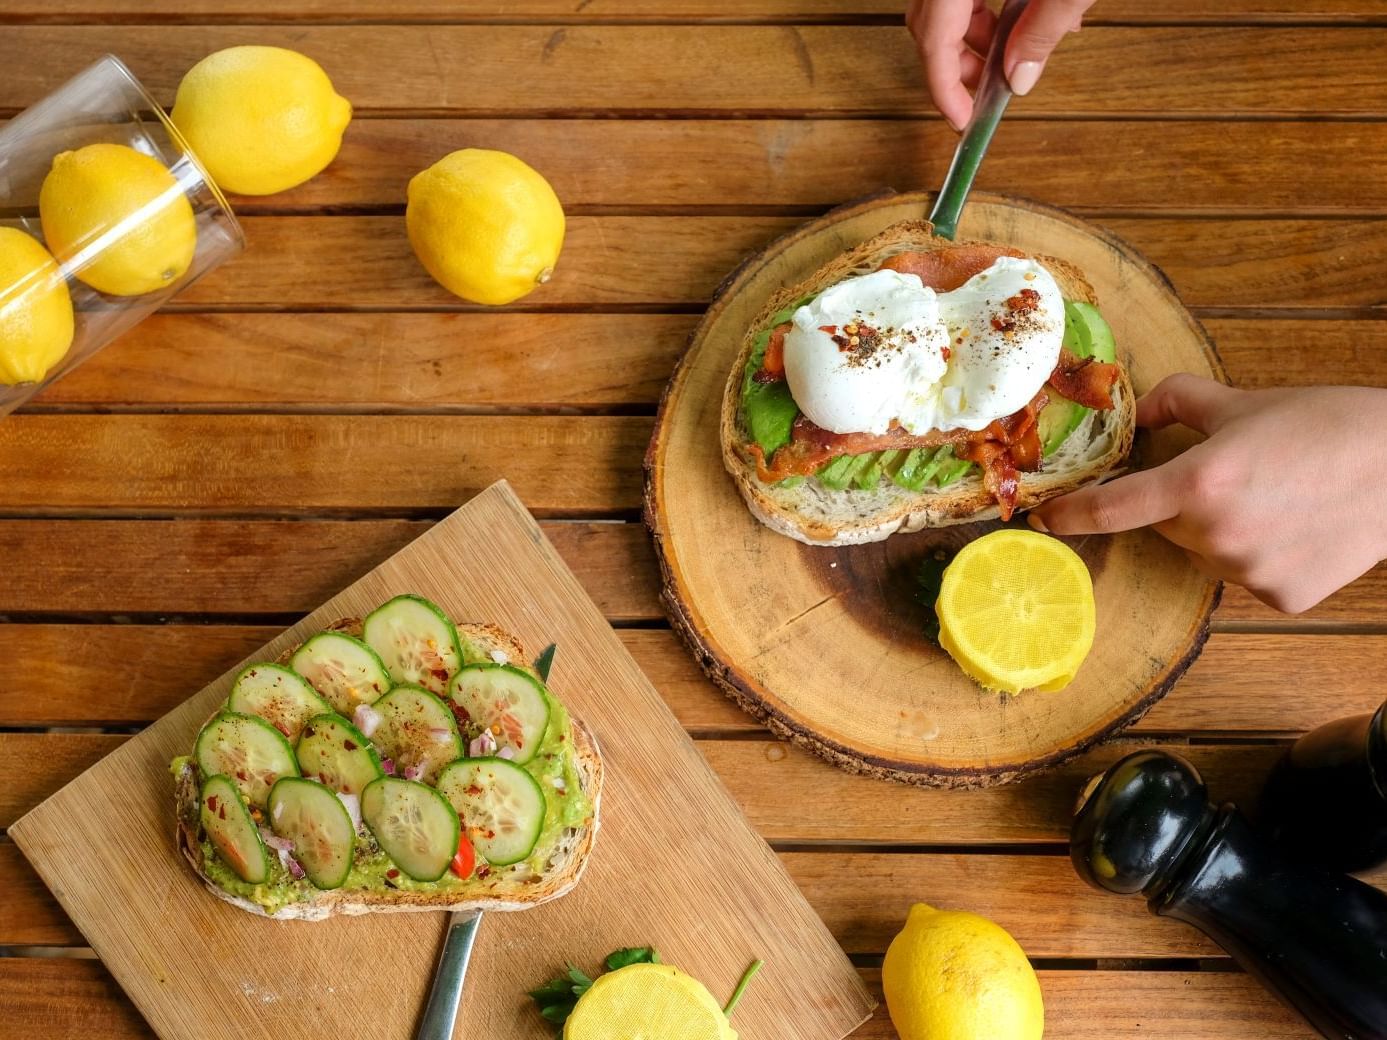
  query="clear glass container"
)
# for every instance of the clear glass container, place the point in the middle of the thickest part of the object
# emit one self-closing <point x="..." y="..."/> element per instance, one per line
<point x="126" y="235"/>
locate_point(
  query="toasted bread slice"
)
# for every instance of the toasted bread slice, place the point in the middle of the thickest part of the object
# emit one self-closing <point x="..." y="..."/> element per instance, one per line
<point x="507" y="888"/>
<point x="818" y="515"/>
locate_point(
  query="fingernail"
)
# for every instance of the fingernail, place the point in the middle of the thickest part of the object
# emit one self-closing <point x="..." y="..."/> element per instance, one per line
<point x="1037" y="523"/>
<point x="1023" y="76"/>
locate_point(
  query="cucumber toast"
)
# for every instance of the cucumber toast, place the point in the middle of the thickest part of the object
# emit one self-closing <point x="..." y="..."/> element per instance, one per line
<point x="401" y="762"/>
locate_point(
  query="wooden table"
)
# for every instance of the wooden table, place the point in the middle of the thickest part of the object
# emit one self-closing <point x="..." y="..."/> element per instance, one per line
<point x="313" y="406"/>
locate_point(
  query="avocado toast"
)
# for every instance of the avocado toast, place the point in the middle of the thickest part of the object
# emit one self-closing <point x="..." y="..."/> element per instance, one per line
<point x="846" y="482"/>
<point x="393" y="763"/>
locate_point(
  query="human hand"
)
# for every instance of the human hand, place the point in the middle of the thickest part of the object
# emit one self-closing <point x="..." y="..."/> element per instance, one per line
<point x="953" y="37"/>
<point x="1286" y="497"/>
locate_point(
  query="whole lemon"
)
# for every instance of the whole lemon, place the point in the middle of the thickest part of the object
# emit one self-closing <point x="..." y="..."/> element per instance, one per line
<point x="485" y="225"/>
<point x="951" y="975"/>
<point x="35" y="309"/>
<point x="123" y="208"/>
<point x="261" y="119"/>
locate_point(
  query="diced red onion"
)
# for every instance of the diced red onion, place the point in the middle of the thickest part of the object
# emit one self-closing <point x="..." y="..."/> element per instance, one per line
<point x="506" y="752"/>
<point x="367" y="719"/>
<point x="483" y="744"/>
<point x="274" y="841"/>
<point x="440" y="734"/>
<point x="292" y="865"/>
<point x="414" y="772"/>
<point x="387" y="766"/>
<point x="353" y="806"/>
<point x="279" y="810"/>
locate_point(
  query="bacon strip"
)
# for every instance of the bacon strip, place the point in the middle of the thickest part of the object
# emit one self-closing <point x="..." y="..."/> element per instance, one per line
<point x="772" y="368"/>
<point x="1085" y="380"/>
<point x="946" y="269"/>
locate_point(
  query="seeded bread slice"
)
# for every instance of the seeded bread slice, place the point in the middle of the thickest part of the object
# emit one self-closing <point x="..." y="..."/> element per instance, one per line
<point x="507" y="888"/>
<point x="817" y="515"/>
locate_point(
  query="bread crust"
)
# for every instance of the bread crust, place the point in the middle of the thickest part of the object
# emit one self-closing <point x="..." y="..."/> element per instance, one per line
<point x="505" y="891"/>
<point x="817" y="516"/>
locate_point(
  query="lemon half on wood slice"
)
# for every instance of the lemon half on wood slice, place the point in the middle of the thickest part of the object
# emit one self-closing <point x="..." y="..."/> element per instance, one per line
<point x="1016" y="611"/>
<point x="647" y="1002"/>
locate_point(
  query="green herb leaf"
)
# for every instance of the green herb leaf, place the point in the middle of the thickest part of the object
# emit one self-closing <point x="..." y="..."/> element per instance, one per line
<point x="552" y="992"/>
<point x="556" y="999"/>
<point x="580" y="981"/>
<point x="632" y="955"/>
<point x="747" y="976"/>
<point x="929" y="579"/>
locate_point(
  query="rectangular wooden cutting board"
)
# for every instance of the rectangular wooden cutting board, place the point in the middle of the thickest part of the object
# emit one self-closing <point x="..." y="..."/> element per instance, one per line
<point x="676" y="865"/>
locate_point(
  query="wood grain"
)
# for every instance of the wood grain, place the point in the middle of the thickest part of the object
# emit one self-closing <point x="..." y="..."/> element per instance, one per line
<point x="403" y="362"/>
<point x="294" y="464"/>
<point x="104" y="875"/>
<point x="1236" y="687"/>
<point x="659" y="262"/>
<point x="384" y="362"/>
<point x="569" y="11"/>
<point x="77" y="1000"/>
<point x="786" y="628"/>
<point x="828" y="805"/>
<point x="804" y="69"/>
<point x="1193" y="167"/>
<point x="164" y="566"/>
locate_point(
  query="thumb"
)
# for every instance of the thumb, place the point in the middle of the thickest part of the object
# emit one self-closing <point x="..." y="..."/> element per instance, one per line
<point x="1038" y="32"/>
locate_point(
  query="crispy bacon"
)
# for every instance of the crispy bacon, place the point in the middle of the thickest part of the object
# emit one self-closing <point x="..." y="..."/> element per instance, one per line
<point x="946" y="269"/>
<point x="1085" y="380"/>
<point x="772" y="368"/>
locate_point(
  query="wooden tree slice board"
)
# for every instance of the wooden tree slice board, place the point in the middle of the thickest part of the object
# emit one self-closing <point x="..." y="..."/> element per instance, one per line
<point x="676" y="864"/>
<point x="826" y="644"/>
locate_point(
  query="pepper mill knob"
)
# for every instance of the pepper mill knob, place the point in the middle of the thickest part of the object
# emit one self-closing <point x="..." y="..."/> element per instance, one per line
<point x="1137" y="821"/>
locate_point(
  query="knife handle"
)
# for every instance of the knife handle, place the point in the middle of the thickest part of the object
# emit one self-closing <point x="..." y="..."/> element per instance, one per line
<point x="441" y="1012"/>
<point x="989" y="102"/>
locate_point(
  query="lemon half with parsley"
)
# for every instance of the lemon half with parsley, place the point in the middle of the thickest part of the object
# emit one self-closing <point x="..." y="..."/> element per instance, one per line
<point x="654" y="1001"/>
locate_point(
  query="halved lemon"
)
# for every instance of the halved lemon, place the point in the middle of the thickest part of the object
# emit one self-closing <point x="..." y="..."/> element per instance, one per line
<point x="1016" y="611"/>
<point x="647" y="1002"/>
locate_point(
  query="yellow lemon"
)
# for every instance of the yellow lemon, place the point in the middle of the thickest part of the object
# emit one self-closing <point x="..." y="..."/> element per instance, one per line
<point x="951" y="975"/>
<point x="119" y="217"/>
<point x="261" y="119"/>
<point x="485" y="225"/>
<point x="1016" y="611"/>
<point x="35" y="309"/>
<point x="647" y="1002"/>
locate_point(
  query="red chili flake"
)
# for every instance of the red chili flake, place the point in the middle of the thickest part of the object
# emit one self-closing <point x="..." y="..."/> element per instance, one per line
<point x="240" y="775"/>
<point x="221" y="813"/>
<point x="947" y="353"/>
<point x="349" y="745"/>
<point x="1024" y="301"/>
<point x="392" y="873"/>
<point x="830" y="329"/>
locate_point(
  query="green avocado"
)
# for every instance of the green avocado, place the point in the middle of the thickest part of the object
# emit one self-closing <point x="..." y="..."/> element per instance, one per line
<point x="554" y="767"/>
<point x="768" y="408"/>
<point x="1086" y="334"/>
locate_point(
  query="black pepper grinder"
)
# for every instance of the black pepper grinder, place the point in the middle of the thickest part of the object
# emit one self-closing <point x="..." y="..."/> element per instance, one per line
<point x="1317" y="940"/>
<point x="1326" y="800"/>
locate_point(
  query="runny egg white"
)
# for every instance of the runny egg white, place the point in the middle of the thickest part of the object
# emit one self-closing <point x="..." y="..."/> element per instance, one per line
<point x="883" y="348"/>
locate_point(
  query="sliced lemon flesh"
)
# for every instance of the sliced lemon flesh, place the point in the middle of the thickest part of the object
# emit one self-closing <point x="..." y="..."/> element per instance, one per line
<point x="1016" y="611"/>
<point x="647" y="1002"/>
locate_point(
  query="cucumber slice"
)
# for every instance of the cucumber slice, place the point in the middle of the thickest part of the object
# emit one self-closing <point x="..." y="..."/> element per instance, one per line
<point x="414" y="824"/>
<point x="416" y="642"/>
<point x="417" y="729"/>
<point x="316" y="821"/>
<point x="344" y="670"/>
<point x="279" y="696"/>
<point x="337" y="754"/>
<point x="248" y="750"/>
<point x="500" y="805"/>
<point x="511" y="704"/>
<point x="229" y="827"/>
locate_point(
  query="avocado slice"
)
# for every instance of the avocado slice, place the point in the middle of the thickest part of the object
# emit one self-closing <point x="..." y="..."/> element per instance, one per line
<point x="870" y="475"/>
<point x="836" y="474"/>
<point x="1086" y="334"/>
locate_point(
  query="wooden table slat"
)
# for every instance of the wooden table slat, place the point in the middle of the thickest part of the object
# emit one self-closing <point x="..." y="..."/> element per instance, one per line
<point x="1265" y="72"/>
<point x="66" y="999"/>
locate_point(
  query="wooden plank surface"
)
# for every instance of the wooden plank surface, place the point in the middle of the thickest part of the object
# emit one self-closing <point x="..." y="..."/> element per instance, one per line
<point x="142" y="671"/>
<point x="77" y="1000"/>
<point x="164" y="565"/>
<point x="580" y="11"/>
<point x="1266" y="72"/>
<point x="629" y="165"/>
<point x="655" y="262"/>
<point x="401" y="362"/>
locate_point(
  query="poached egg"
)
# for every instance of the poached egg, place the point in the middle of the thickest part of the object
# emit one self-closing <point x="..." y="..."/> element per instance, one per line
<point x="884" y="347"/>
